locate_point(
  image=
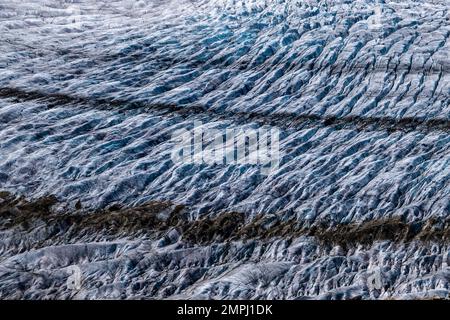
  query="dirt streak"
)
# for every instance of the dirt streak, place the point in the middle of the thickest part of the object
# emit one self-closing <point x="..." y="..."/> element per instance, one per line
<point x="282" y="120"/>
<point x="156" y="218"/>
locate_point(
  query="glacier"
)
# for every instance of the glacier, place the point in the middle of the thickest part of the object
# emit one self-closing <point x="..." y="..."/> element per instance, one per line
<point x="93" y="92"/>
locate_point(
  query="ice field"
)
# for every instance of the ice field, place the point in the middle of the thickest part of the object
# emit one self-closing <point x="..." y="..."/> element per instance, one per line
<point x="93" y="93"/>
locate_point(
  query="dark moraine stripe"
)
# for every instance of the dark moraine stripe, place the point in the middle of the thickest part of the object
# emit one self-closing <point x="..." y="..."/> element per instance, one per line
<point x="282" y="120"/>
<point x="155" y="218"/>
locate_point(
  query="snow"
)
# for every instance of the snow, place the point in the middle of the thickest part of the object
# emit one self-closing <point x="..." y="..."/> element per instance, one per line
<point x="380" y="69"/>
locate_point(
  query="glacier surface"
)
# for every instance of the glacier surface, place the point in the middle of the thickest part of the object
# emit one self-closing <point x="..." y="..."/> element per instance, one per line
<point x="93" y="92"/>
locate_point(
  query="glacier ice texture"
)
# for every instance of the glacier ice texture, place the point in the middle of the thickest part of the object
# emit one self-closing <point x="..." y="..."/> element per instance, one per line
<point x="92" y="92"/>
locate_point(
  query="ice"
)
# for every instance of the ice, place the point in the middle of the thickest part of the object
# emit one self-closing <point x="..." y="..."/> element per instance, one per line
<point x="92" y="93"/>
